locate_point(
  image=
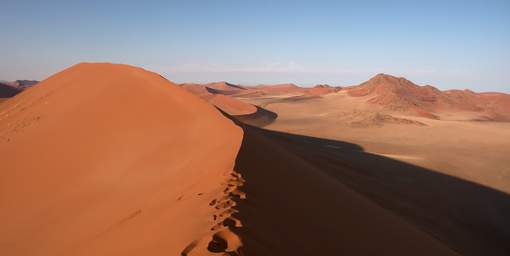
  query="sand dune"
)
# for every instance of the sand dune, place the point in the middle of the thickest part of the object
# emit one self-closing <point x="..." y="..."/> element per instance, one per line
<point x="286" y="90"/>
<point x="322" y="89"/>
<point x="375" y="205"/>
<point x="448" y="146"/>
<point x="279" y="88"/>
<point x="294" y="207"/>
<point x="105" y="159"/>
<point x="221" y="99"/>
<point x="402" y="95"/>
<point x="417" y="152"/>
<point x="269" y="90"/>
<point x="224" y="88"/>
<point x="7" y="90"/>
<point x="262" y="117"/>
<point x="10" y="89"/>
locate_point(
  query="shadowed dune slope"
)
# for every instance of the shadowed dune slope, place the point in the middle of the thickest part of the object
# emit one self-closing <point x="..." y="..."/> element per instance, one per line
<point x="7" y="91"/>
<point x="10" y="89"/>
<point x="309" y="196"/>
<point x="104" y="159"/>
<point x="259" y="118"/>
<point x="224" y="86"/>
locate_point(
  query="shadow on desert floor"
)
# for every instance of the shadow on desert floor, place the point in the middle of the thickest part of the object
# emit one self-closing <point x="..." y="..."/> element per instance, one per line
<point x="312" y="196"/>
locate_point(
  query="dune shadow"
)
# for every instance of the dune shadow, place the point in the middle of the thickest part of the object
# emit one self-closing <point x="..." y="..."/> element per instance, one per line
<point x="260" y="118"/>
<point x="8" y="91"/>
<point x="224" y="92"/>
<point x="305" y="196"/>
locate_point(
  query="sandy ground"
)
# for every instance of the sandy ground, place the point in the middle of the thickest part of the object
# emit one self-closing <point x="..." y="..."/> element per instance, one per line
<point x="448" y="178"/>
<point x="311" y="196"/>
<point x="226" y="103"/>
<point x="104" y="159"/>
<point x="475" y="151"/>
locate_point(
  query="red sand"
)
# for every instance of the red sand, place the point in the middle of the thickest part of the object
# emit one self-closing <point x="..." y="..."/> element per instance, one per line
<point x="226" y="103"/>
<point x="105" y="159"/>
<point x="400" y="94"/>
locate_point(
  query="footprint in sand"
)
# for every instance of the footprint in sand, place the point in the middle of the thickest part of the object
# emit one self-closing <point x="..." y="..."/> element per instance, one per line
<point x="222" y="240"/>
<point x="225" y="241"/>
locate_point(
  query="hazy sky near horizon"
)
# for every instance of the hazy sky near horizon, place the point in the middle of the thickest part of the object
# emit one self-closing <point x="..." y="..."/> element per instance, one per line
<point x="449" y="44"/>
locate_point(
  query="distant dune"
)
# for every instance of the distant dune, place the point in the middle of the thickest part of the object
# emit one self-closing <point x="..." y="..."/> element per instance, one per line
<point x="291" y="89"/>
<point x="24" y="84"/>
<point x="419" y="152"/>
<point x="440" y="130"/>
<point x="278" y="88"/>
<point x="229" y="97"/>
<point x="224" y="88"/>
<point x="105" y="159"/>
<point x="400" y="94"/>
<point x="7" y="90"/>
<point x="312" y="196"/>
<point x="10" y="89"/>
<point x="220" y="98"/>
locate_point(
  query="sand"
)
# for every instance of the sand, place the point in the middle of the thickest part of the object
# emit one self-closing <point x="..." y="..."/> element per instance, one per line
<point x="294" y="207"/>
<point x="471" y="150"/>
<point x="105" y="159"/>
<point x="398" y="94"/>
<point x="220" y="99"/>
<point x="449" y="177"/>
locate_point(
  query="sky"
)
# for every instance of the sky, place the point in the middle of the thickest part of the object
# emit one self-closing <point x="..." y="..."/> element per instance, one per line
<point x="448" y="44"/>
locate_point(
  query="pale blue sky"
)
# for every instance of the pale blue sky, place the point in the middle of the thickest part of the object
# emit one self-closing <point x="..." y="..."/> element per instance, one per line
<point x="449" y="44"/>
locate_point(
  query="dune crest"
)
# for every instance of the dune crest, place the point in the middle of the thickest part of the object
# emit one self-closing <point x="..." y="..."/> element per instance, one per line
<point x="104" y="159"/>
<point x="221" y="98"/>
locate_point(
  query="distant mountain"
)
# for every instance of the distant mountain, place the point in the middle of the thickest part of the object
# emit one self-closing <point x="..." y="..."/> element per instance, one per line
<point x="400" y="94"/>
<point x="322" y="89"/>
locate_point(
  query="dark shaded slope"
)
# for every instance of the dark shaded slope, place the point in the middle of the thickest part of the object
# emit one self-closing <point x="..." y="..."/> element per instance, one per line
<point x="7" y="91"/>
<point x="217" y="91"/>
<point x="260" y="118"/>
<point x="302" y="201"/>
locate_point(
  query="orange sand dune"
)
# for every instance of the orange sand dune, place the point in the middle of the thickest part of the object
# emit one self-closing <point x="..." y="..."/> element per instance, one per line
<point x="232" y="106"/>
<point x="285" y="90"/>
<point x="322" y="89"/>
<point x="105" y="159"/>
<point x="265" y="90"/>
<point x="225" y="88"/>
<point x="223" y="101"/>
<point x="279" y="88"/>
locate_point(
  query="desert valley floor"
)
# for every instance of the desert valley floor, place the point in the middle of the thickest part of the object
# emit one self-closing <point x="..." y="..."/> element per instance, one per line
<point x="107" y="159"/>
